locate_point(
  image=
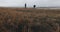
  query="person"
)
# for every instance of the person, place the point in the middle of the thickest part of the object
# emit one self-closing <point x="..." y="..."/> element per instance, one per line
<point x="25" y="5"/>
<point x="34" y="6"/>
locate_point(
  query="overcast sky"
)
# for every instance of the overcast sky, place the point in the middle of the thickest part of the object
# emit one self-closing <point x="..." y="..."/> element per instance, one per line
<point x="20" y="3"/>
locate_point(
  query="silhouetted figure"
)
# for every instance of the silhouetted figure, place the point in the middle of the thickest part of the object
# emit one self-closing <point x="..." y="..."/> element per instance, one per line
<point x="25" y="5"/>
<point x="34" y="6"/>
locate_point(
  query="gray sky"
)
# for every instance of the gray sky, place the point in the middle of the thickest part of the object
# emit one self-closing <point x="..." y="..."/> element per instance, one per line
<point x="20" y="3"/>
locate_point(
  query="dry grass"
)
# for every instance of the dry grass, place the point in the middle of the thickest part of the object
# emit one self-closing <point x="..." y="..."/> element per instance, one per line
<point x="37" y="20"/>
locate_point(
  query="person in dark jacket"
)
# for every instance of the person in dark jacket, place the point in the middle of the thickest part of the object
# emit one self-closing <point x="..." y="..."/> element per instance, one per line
<point x="25" y="5"/>
<point x="34" y="6"/>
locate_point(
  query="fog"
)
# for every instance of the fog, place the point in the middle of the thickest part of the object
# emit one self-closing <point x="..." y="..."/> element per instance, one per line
<point x="30" y="3"/>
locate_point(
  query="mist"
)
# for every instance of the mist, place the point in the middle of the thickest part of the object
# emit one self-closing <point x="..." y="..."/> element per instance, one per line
<point x="30" y="3"/>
